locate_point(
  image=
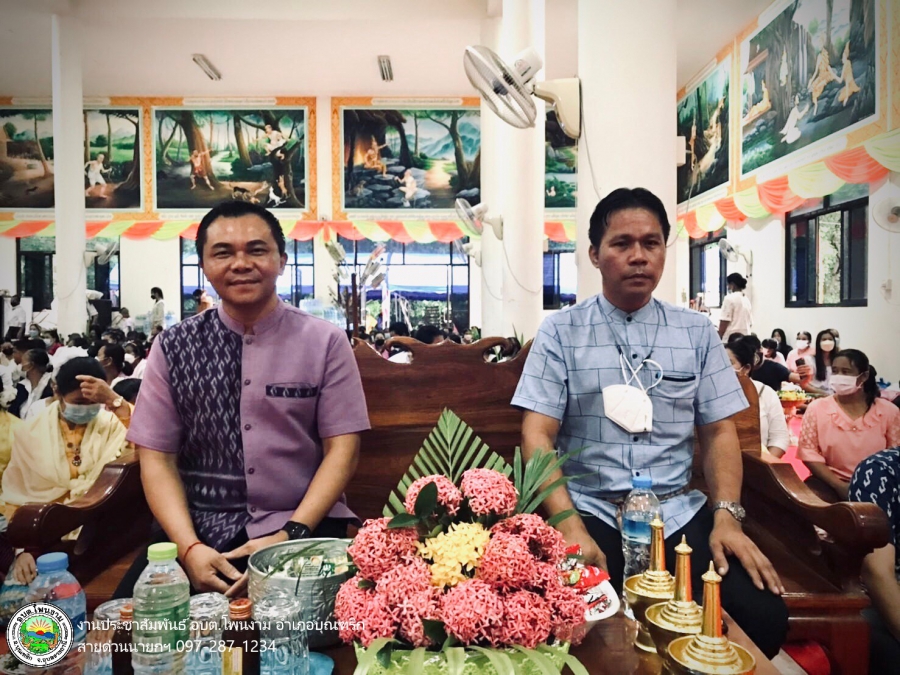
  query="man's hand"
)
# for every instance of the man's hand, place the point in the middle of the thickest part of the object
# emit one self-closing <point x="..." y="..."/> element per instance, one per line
<point x="24" y="570"/>
<point x="248" y="549"/>
<point x="203" y="565"/>
<point x="727" y="538"/>
<point x="96" y="390"/>
<point x="575" y="533"/>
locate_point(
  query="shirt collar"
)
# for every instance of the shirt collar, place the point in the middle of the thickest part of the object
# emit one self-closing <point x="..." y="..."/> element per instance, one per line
<point x="267" y="322"/>
<point x="644" y="315"/>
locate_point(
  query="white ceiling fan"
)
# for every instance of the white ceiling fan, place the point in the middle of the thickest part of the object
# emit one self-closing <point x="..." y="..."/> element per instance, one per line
<point x="476" y="217"/>
<point x="734" y="253"/>
<point x="102" y="253"/>
<point x="508" y="89"/>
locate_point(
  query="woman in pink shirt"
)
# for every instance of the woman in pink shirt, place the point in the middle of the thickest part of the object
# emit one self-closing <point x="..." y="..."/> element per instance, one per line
<point x="842" y="430"/>
<point x="802" y="349"/>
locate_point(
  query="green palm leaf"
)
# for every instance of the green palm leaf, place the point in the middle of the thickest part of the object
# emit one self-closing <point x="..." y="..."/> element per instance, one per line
<point x="451" y="449"/>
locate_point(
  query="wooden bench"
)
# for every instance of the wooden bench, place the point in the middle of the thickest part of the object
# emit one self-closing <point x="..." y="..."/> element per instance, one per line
<point x="822" y="577"/>
<point x="115" y="526"/>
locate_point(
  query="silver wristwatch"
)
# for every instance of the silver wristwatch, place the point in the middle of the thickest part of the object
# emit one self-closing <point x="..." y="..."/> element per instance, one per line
<point x="734" y="508"/>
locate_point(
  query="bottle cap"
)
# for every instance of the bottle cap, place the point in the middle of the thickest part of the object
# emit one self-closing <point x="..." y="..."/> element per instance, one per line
<point x="126" y="613"/>
<point x="240" y="609"/>
<point x="161" y="552"/>
<point x="644" y="482"/>
<point x="52" y="562"/>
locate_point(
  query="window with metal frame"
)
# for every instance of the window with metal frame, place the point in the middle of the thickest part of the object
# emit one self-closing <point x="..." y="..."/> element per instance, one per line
<point x="560" y="275"/>
<point x="826" y="251"/>
<point x="708" y="269"/>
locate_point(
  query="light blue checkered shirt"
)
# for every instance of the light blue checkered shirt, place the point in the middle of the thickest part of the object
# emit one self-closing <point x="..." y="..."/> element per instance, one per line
<point x="575" y="355"/>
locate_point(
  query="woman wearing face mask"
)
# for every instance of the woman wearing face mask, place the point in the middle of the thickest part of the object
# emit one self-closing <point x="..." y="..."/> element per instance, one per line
<point x="802" y="350"/>
<point x="771" y="353"/>
<point x="35" y="386"/>
<point x="842" y="430"/>
<point x="57" y="456"/>
<point x="820" y="385"/>
<point x="136" y="357"/>
<point x="112" y="358"/>
<point x="773" y="429"/>
<point x="51" y="339"/>
<point x="783" y="347"/>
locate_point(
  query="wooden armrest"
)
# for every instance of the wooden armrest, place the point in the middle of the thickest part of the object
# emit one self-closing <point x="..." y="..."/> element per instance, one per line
<point x="852" y="524"/>
<point x="42" y="525"/>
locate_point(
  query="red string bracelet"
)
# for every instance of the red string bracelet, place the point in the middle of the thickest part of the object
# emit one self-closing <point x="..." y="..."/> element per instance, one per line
<point x="184" y="557"/>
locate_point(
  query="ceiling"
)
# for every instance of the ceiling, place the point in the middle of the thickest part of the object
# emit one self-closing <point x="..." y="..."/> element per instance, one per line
<point x="305" y="47"/>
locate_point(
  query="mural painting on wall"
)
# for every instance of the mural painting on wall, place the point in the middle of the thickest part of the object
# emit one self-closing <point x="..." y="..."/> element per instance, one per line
<point x="703" y="121"/>
<point x="807" y="74"/>
<point x="26" y="158"/>
<point x="112" y="158"/>
<point x="206" y="156"/>
<point x="411" y="159"/>
<point x="561" y="161"/>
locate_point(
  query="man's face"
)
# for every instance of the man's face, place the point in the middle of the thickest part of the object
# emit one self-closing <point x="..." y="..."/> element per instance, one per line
<point x="632" y="254"/>
<point x="241" y="260"/>
<point x="467" y="338"/>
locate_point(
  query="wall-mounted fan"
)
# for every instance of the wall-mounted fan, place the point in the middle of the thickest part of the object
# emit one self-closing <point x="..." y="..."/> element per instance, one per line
<point x="886" y="213"/>
<point x="476" y="217"/>
<point x="734" y="253"/>
<point x="470" y="249"/>
<point x="102" y="253"/>
<point x="508" y="89"/>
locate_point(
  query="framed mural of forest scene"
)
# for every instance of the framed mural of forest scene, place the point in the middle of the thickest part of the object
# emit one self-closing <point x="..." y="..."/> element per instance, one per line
<point x="560" y="166"/>
<point x="26" y="158"/>
<point x="703" y="121"/>
<point x="112" y="158"/>
<point x="808" y="73"/>
<point x="205" y="156"/>
<point x="410" y="159"/>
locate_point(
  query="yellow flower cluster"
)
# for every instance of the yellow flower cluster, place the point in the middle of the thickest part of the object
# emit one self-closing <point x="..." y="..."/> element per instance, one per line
<point x="455" y="552"/>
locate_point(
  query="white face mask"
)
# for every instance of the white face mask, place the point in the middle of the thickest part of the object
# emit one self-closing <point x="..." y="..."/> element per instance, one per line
<point x="802" y="344"/>
<point x="826" y="345"/>
<point x="844" y="385"/>
<point x="628" y="406"/>
<point x="129" y="358"/>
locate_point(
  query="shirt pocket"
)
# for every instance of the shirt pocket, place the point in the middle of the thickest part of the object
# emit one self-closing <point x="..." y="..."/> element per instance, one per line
<point x="677" y="385"/>
<point x="292" y="390"/>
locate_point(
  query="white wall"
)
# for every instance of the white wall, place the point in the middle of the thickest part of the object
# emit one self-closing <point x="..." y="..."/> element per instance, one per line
<point x="875" y="329"/>
<point x="146" y="263"/>
<point x="8" y="264"/>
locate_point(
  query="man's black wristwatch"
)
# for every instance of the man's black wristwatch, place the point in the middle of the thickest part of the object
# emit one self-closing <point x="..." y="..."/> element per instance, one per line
<point x="296" y="530"/>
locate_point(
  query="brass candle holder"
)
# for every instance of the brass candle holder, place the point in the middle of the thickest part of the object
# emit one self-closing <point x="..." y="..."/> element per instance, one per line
<point x="709" y="652"/>
<point x="680" y="616"/>
<point x="651" y="587"/>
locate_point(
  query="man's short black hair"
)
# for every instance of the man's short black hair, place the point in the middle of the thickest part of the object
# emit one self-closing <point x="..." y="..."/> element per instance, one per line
<point x="621" y="199"/>
<point x="235" y="209"/>
<point x="27" y="344"/>
<point x="67" y="378"/>
<point x="428" y="333"/>
<point x="399" y="328"/>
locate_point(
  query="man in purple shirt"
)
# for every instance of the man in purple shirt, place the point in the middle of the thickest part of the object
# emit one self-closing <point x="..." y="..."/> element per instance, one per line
<point x="248" y="419"/>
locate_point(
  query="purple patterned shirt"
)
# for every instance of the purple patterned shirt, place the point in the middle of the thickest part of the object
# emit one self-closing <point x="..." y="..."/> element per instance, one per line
<point x="247" y="414"/>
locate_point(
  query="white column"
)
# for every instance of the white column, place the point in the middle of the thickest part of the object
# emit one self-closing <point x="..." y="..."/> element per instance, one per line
<point x="626" y="61"/>
<point x="522" y="200"/>
<point x="489" y="277"/>
<point x="68" y="168"/>
<point x="324" y="265"/>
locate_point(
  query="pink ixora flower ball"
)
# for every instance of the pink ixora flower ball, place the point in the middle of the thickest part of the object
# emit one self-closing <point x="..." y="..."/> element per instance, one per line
<point x="410" y="597"/>
<point x="545" y="542"/>
<point x="507" y="562"/>
<point x="362" y="613"/>
<point x="567" y="608"/>
<point x="472" y="611"/>
<point x="376" y="549"/>
<point x="489" y="492"/>
<point x="526" y="620"/>
<point x="449" y="495"/>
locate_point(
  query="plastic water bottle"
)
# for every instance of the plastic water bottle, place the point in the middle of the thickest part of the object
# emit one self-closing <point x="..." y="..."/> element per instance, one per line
<point x="161" y="628"/>
<point x="641" y="507"/>
<point x="55" y="585"/>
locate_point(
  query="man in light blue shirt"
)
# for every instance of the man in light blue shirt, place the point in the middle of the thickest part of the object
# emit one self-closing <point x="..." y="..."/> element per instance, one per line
<point x="679" y="360"/>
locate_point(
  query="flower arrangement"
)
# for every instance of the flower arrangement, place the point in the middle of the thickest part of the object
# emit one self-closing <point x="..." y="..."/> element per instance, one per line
<point x="460" y="575"/>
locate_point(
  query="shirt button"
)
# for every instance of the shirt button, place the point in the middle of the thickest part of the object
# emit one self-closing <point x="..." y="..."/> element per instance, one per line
<point x="636" y="439"/>
<point x="246" y="383"/>
<point x="248" y="341"/>
<point x="247" y="427"/>
<point x="252" y="509"/>
<point x="628" y="318"/>
<point x="251" y="470"/>
<point x="634" y="356"/>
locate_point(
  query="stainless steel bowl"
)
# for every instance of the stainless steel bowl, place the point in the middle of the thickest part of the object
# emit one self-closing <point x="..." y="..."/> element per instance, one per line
<point x="316" y="594"/>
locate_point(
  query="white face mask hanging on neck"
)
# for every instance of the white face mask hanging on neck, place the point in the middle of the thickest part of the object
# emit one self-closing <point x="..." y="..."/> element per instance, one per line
<point x="628" y="406"/>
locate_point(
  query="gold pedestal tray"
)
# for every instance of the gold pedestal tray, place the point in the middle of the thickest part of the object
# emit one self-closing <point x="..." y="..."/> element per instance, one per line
<point x="651" y="587"/>
<point x="709" y="653"/>
<point x="680" y="616"/>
